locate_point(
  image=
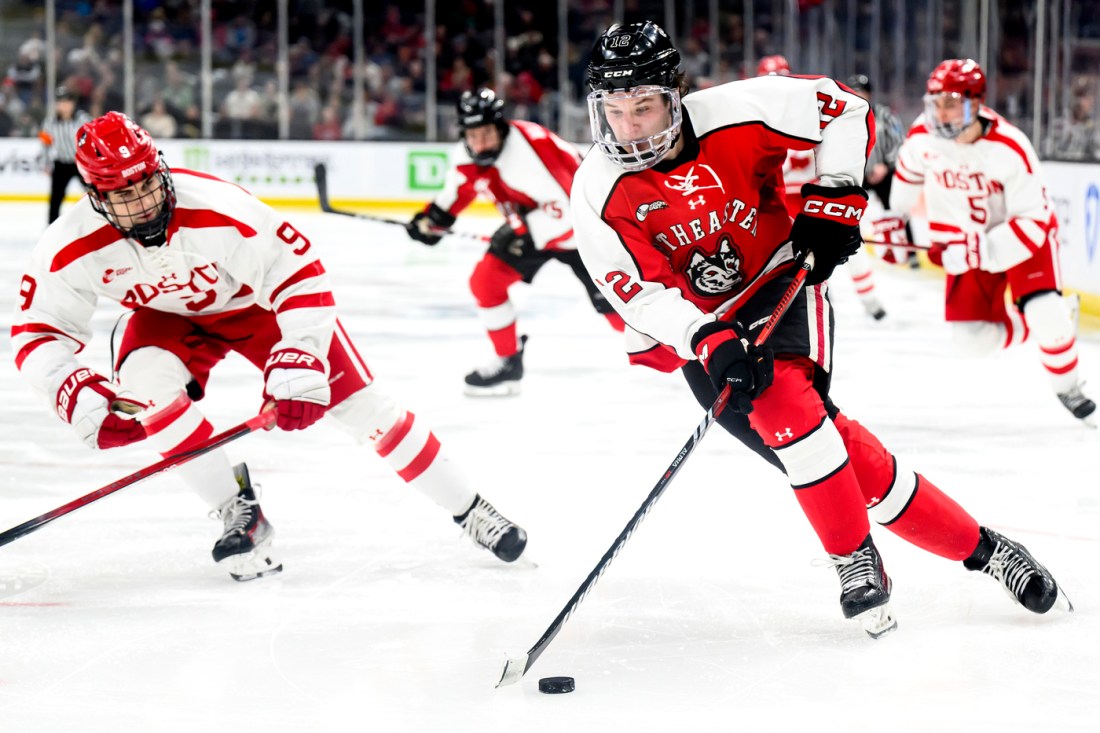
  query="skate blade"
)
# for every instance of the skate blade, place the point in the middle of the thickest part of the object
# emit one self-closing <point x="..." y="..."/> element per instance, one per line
<point x="1062" y="602"/>
<point x="252" y="565"/>
<point x="504" y="389"/>
<point x="878" y="622"/>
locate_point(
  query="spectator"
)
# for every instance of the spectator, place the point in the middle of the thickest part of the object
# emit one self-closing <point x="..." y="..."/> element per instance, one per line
<point x="328" y="127"/>
<point x="158" y="122"/>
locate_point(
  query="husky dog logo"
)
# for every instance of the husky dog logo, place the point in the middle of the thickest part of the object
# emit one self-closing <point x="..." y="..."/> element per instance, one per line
<point x="643" y="210"/>
<point x="715" y="274"/>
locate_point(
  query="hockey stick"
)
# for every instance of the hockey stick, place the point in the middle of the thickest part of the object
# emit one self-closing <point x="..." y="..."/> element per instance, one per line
<point x="264" y="420"/>
<point x="516" y="667"/>
<point x="320" y="175"/>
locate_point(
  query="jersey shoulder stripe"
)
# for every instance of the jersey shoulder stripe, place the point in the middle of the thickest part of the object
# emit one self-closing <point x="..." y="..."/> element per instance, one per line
<point x="105" y="236"/>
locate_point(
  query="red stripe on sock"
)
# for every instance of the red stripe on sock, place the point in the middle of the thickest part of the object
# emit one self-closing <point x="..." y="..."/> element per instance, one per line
<point x="1063" y="369"/>
<point x="422" y="460"/>
<point x="395" y="436"/>
<point x="201" y="433"/>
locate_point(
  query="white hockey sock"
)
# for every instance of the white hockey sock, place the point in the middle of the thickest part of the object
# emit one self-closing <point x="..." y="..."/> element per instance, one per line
<point x="1056" y="333"/>
<point x="179" y="427"/>
<point x="413" y="451"/>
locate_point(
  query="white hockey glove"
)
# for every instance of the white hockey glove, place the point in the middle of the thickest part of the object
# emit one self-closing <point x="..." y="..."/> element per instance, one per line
<point x="969" y="254"/>
<point x="298" y="382"/>
<point x="99" y="411"/>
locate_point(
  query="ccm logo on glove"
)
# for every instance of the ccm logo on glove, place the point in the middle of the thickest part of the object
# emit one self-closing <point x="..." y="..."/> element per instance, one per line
<point x="834" y="209"/>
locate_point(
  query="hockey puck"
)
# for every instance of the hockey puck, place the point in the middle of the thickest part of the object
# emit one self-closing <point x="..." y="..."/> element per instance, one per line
<point x="557" y="685"/>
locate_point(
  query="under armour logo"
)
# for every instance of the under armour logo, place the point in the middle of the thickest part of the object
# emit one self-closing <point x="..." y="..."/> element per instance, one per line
<point x="696" y="202"/>
<point x="377" y="434"/>
<point x="785" y="434"/>
<point x="873" y="502"/>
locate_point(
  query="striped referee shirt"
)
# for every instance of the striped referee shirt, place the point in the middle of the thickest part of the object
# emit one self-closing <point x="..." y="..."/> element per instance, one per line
<point x="63" y="135"/>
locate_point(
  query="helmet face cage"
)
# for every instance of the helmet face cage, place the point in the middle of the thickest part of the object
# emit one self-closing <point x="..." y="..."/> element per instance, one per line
<point x="949" y="129"/>
<point x="113" y="153"/>
<point x="634" y="153"/>
<point x="133" y="216"/>
<point x="628" y="64"/>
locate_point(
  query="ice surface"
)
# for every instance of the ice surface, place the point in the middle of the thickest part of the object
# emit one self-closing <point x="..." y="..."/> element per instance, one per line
<point x="712" y="618"/>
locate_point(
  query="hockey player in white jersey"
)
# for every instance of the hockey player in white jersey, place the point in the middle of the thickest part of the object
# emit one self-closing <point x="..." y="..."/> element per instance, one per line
<point x="799" y="169"/>
<point x="991" y="226"/>
<point x="527" y="171"/>
<point x="207" y="269"/>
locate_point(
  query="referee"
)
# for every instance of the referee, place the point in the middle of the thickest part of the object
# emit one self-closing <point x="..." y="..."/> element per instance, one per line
<point x="59" y="136"/>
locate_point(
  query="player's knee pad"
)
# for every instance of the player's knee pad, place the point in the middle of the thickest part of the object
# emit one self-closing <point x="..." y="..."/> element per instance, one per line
<point x="976" y="338"/>
<point x="368" y="415"/>
<point x="490" y="280"/>
<point x="1049" y="319"/>
<point x="154" y="375"/>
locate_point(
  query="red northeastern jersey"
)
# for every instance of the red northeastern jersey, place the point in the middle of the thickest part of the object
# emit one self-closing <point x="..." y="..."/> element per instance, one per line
<point x="696" y="235"/>
<point x="226" y="251"/>
<point x="992" y="185"/>
<point x="533" y="173"/>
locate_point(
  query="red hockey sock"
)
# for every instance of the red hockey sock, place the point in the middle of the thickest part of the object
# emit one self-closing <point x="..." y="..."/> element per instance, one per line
<point x="835" y="509"/>
<point x="504" y="340"/>
<point x="934" y="522"/>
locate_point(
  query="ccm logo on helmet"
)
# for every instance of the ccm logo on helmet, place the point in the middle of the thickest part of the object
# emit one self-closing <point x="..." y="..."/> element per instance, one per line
<point x="832" y="209"/>
<point x="618" y="73"/>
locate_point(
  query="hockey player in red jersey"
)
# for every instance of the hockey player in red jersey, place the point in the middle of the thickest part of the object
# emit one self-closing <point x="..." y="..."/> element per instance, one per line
<point x="991" y="225"/>
<point x="527" y="171"/>
<point x="681" y="220"/>
<point x="208" y="269"/>
<point x="799" y="169"/>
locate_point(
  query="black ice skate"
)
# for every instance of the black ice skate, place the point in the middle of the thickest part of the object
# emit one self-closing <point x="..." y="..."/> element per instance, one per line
<point x="499" y="378"/>
<point x="865" y="589"/>
<point x="1081" y="406"/>
<point x="490" y="529"/>
<point x="1023" y="578"/>
<point x="245" y="547"/>
<point x="873" y="306"/>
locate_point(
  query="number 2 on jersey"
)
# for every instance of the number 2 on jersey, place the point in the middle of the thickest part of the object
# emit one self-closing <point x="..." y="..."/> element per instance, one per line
<point x="620" y="283"/>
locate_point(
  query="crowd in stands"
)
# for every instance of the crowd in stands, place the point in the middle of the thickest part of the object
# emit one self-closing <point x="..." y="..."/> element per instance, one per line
<point x="321" y="96"/>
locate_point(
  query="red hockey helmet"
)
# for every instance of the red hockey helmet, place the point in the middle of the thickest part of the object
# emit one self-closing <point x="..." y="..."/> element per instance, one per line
<point x="958" y="76"/>
<point x="113" y="153"/>
<point x="773" y="65"/>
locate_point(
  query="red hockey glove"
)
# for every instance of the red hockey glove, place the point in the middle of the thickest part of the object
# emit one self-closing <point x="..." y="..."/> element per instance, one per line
<point x="732" y="359"/>
<point x="97" y="410"/>
<point x="298" y="382"/>
<point x="828" y="226"/>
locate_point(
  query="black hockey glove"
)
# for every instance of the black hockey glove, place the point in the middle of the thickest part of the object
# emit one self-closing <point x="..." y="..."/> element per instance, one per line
<point x="511" y="245"/>
<point x="828" y="226"/>
<point x="730" y="358"/>
<point x="423" y="226"/>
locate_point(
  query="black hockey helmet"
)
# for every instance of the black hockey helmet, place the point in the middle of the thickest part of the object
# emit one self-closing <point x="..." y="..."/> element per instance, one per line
<point x="478" y="109"/>
<point x="859" y="83"/>
<point x="631" y="55"/>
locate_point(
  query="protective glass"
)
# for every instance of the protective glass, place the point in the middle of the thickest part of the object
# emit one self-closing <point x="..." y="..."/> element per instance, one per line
<point x="635" y="128"/>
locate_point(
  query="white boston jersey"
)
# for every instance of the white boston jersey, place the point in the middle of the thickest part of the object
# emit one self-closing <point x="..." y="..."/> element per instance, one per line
<point x="992" y="186"/>
<point x="226" y="251"/>
<point x="533" y="175"/>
